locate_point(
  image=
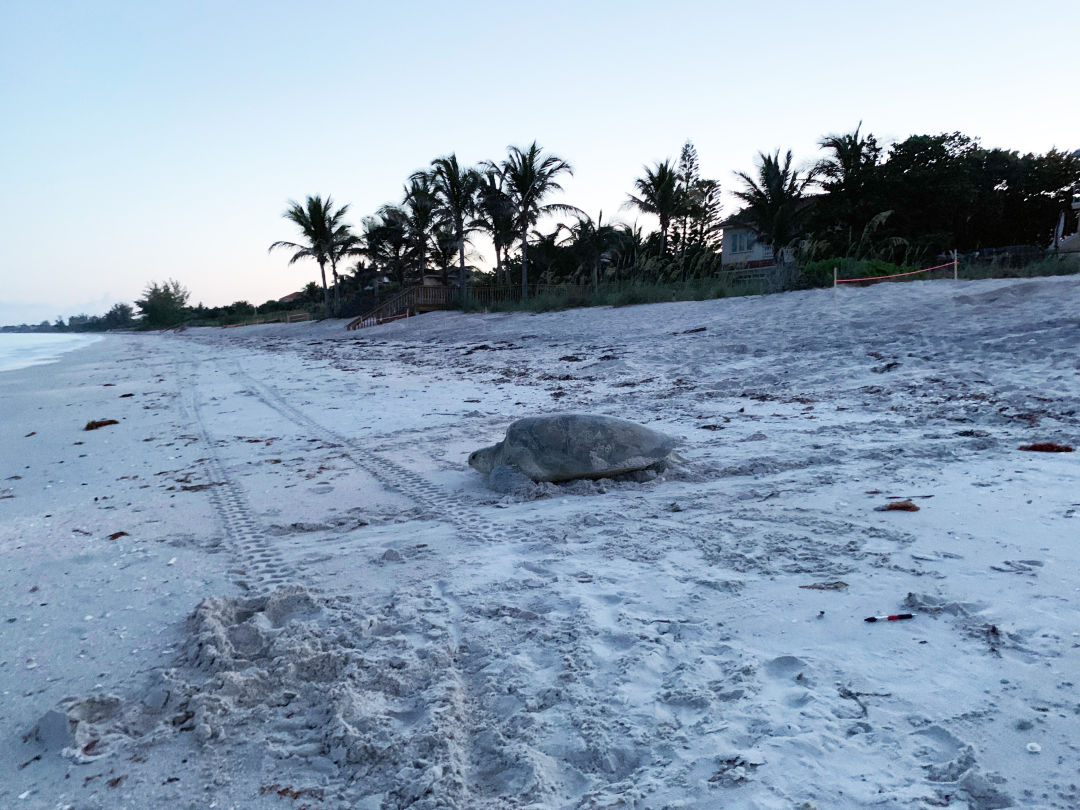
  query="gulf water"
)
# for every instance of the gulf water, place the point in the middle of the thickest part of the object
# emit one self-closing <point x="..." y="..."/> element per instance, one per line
<point x="22" y="350"/>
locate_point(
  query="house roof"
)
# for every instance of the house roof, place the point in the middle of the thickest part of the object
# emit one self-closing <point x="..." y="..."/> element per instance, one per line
<point x="288" y="299"/>
<point x="734" y="222"/>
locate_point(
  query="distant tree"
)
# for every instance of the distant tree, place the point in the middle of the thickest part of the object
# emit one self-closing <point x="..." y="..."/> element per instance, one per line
<point x="931" y="183"/>
<point x="549" y="257"/>
<point x="593" y="245"/>
<point x="632" y="247"/>
<point x="121" y="316"/>
<point x="687" y="176"/>
<point x="853" y="206"/>
<point x="658" y="193"/>
<point x="420" y="207"/>
<point x="444" y="249"/>
<point x="163" y="305"/>
<point x="310" y="293"/>
<point x="456" y="190"/>
<point x="387" y="244"/>
<point x="698" y="204"/>
<point x="1033" y="191"/>
<point x="773" y="201"/>
<point x="705" y="220"/>
<point x="343" y="244"/>
<point x="529" y="177"/>
<point x="850" y="164"/>
<point x="324" y="232"/>
<point x="496" y="216"/>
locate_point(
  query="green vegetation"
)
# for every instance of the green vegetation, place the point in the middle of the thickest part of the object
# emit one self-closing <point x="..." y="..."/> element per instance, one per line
<point x="621" y="294"/>
<point x="820" y="273"/>
<point x="773" y="201"/>
<point x="991" y="267"/>
<point x="865" y="208"/>
<point x="163" y="305"/>
<point x="528" y="177"/>
<point x="327" y="238"/>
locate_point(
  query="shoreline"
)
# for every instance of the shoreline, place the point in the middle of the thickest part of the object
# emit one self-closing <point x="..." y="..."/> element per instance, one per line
<point x="684" y="639"/>
<point x="30" y="355"/>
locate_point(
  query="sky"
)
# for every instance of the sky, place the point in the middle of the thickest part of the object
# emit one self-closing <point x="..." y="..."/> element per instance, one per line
<point x="145" y="141"/>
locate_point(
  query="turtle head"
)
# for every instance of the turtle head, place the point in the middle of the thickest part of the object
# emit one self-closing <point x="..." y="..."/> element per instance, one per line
<point x="483" y="459"/>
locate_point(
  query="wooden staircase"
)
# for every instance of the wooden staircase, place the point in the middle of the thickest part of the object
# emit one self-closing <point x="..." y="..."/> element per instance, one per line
<point x="412" y="301"/>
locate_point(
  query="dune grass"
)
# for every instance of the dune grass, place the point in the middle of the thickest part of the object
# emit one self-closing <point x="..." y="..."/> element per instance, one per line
<point x="624" y="294"/>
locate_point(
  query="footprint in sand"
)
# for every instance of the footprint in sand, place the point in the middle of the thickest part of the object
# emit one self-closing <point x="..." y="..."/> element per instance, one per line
<point x="787" y="669"/>
<point x="786" y="666"/>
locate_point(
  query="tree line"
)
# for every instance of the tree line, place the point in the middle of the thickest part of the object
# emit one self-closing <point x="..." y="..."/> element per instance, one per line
<point x="443" y="207"/>
<point x="907" y="203"/>
<point x="904" y="203"/>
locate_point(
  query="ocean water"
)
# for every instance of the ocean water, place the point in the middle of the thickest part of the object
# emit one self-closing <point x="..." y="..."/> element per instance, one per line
<point x="22" y="350"/>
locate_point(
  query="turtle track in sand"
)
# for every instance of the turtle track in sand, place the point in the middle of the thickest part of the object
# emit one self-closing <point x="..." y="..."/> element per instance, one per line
<point x="469" y="524"/>
<point x="353" y="697"/>
<point x="259" y="566"/>
<point x="435" y="729"/>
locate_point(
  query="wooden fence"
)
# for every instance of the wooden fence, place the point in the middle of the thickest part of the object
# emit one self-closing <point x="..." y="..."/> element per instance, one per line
<point x="277" y="317"/>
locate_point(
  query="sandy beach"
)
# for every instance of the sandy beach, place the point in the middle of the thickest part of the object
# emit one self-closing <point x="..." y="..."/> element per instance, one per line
<point x="276" y="583"/>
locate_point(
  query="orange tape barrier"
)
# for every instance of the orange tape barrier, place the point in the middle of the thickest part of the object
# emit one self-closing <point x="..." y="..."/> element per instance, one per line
<point x="895" y="275"/>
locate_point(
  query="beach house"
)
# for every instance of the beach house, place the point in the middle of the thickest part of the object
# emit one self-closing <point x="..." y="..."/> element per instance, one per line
<point x="742" y="250"/>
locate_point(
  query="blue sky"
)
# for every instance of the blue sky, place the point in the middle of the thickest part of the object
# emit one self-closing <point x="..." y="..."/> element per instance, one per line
<point x="149" y="140"/>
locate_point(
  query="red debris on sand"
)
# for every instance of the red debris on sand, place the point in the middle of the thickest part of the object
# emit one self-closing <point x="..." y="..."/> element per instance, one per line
<point x="117" y="535"/>
<point x="898" y="506"/>
<point x="1047" y="447"/>
<point x="94" y="424"/>
<point x="31" y="433"/>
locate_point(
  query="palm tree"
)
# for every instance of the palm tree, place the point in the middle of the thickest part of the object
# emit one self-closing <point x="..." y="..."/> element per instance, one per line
<point x="594" y="244"/>
<point x="456" y="190"/>
<point x="444" y="248"/>
<point x="658" y="193"/>
<point x="386" y="241"/>
<point x="631" y="244"/>
<point x="852" y="158"/>
<point x="343" y="243"/>
<point x="420" y="206"/>
<point x="772" y="200"/>
<point x="530" y="177"/>
<point x="496" y="216"/>
<point x="323" y="229"/>
<point x="847" y="176"/>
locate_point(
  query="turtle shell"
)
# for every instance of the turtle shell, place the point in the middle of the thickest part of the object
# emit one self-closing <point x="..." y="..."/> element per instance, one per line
<point x="563" y="447"/>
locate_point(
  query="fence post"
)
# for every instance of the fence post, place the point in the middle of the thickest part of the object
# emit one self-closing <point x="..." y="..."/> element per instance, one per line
<point x="835" y="272"/>
<point x="955" y="266"/>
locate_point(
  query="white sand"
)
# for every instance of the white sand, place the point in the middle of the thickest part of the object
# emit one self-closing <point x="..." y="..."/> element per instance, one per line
<point x="318" y="604"/>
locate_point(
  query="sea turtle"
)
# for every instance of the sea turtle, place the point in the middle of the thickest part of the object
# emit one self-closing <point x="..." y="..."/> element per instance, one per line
<point x="566" y="446"/>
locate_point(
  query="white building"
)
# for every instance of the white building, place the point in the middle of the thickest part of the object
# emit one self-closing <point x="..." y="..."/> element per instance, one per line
<point x="742" y="250"/>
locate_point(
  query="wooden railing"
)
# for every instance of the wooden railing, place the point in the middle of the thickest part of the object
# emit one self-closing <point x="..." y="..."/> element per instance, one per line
<point x="426" y="299"/>
<point x="489" y="296"/>
<point x="411" y="301"/>
<point x="396" y="307"/>
<point x="277" y="317"/>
